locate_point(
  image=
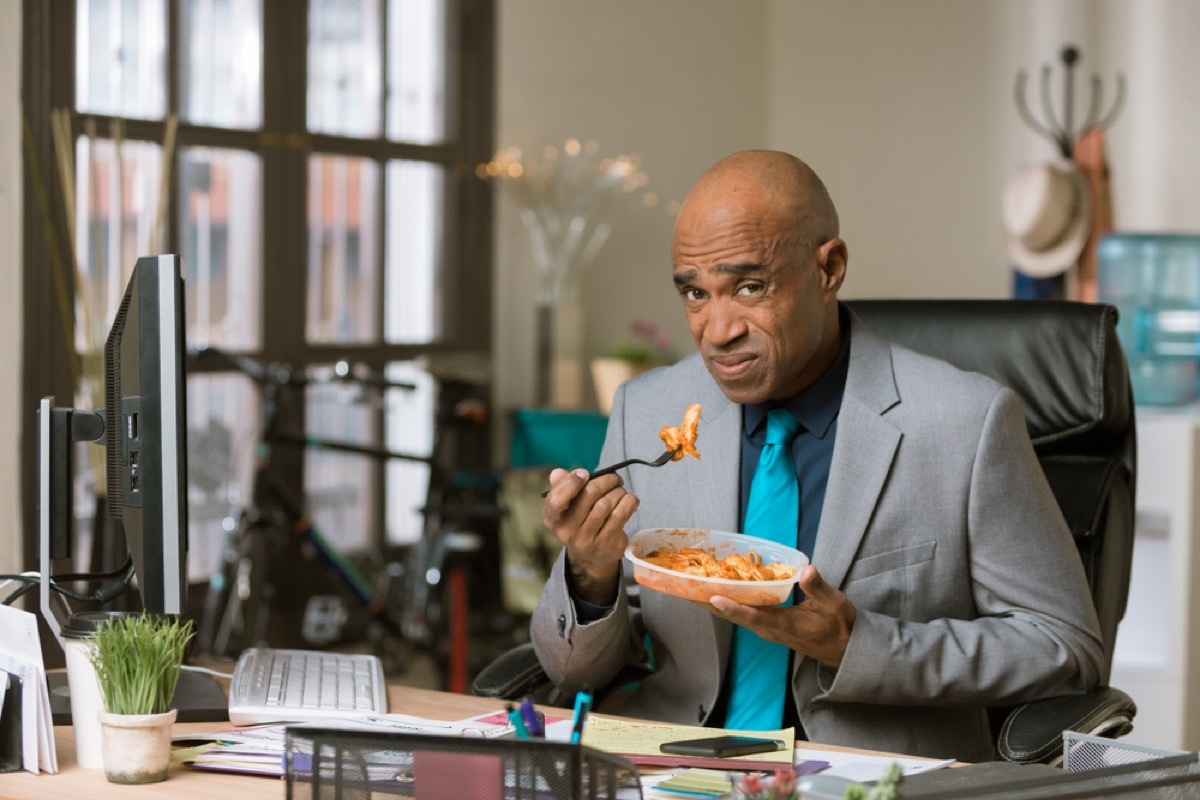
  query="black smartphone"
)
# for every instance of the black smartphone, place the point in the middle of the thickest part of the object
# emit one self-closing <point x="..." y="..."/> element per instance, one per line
<point x="722" y="746"/>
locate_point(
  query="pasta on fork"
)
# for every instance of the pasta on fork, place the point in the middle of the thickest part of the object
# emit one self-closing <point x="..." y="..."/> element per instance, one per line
<point x="682" y="438"/>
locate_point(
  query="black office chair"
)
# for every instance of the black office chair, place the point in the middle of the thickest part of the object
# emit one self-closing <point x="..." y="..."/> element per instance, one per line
<point x="1065" y="362"/>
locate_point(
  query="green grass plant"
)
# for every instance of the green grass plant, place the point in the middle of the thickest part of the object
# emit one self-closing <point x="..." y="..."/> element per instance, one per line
<point x="137" y="660"/>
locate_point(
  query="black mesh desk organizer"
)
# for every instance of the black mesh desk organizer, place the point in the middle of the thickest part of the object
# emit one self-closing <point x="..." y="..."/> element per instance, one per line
<point x="332" y="764"/>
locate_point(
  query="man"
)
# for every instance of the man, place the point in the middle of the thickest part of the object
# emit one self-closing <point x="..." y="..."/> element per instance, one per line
<point x="943" y="578"/>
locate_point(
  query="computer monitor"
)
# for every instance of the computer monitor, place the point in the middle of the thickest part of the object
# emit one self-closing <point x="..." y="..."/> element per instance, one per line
<point x="146" y="430"/>
<point x="143" y="426"/>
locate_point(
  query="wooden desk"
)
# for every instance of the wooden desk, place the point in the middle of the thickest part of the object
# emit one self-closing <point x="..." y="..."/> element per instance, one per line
<point x="74" y="783"/>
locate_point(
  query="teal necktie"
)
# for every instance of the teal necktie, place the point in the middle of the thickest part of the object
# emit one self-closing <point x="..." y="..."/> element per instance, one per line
<point x="759" y="668"/>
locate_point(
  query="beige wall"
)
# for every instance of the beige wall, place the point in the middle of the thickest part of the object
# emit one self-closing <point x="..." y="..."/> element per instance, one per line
<point x="903" y="118"/>
<point x="10" y="286"/>
<point x="906" y="109"/>
<point x="677" y="82"/>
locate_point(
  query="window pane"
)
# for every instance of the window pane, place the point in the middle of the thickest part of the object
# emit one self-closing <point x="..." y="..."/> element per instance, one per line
<point x="409" y="429"/>
<point x="221" y="62"/>
<point x="416" y="91"/>
<point x="220" y="205"/>
<point x="414" y="252"/>
<point x="115" y="222"/>
<point x="120" y="57"/>
<point x="344" y="71"/>
<point x="223" y="430"/>
<point x="342" y="252"/>
<point x="338" y="486"/>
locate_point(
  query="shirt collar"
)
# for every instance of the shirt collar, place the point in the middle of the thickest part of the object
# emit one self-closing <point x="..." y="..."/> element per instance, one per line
<point x="815" y="407"/>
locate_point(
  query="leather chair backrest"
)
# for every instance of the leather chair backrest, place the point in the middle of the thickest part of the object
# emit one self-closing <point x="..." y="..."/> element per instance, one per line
<point x="1064" y="361"/>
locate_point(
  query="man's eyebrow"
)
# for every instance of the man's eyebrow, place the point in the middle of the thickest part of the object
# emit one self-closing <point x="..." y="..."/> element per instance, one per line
<point x="684" y="278"/>
<point x="744" y="268"/>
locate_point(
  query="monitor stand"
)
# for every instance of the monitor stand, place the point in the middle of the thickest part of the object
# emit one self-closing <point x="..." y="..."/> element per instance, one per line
<point x="198" y="698"/>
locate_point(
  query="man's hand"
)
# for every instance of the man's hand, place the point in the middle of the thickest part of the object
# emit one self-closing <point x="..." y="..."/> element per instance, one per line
<point x="819" y="627"/>
<point x="588" y="517"/>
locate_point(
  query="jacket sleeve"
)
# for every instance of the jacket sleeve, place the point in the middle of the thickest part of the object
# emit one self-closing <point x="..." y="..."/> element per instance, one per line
<point x="573" y="652"/>
<point x="1033" y="632"/>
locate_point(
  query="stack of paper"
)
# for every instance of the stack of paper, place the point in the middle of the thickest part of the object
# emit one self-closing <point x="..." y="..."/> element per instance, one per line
<point x="262" y="750"/>
<point x="21" y="657"/>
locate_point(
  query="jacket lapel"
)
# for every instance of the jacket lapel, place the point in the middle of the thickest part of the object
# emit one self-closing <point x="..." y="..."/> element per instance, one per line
<point x="713" y="488"/>
<point x="862" y="456"/>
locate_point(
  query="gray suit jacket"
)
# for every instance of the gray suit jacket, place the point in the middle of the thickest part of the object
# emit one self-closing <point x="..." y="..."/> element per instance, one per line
<point x="938" y="525"/>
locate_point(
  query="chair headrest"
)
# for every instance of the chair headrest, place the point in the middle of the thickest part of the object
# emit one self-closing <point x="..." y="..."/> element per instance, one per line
<point x="1062" y="358"/>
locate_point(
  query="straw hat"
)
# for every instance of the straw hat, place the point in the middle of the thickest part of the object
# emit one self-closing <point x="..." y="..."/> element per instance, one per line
<point x="1046" y="217"/>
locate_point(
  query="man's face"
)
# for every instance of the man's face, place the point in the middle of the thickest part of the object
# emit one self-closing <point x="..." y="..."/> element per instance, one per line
<point x="758" y="301"/>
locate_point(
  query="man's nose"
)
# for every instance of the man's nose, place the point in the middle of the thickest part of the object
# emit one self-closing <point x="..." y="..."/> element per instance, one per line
<point x="724" y="324"/>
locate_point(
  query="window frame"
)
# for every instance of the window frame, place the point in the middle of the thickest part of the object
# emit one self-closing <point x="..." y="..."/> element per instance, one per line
<point x="283" y="144"/>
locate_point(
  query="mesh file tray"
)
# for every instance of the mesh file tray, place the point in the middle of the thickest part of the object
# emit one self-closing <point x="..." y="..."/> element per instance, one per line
<point x="1093" y="768"/>
<point x="332" y="764"/>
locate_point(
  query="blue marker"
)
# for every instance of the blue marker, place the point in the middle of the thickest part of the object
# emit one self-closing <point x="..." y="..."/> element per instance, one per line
<point x="583" y="706"/>
<point x="514" y="716"/>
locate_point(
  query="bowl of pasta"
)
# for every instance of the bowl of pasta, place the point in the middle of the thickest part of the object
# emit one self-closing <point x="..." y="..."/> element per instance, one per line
<point x="697" y="563"/>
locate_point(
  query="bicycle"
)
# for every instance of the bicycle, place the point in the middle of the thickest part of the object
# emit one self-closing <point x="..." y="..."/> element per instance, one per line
<point x="406" y="607"/>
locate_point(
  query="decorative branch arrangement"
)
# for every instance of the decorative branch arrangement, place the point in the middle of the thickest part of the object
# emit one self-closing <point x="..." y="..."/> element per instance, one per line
<point x="565" y="201"/>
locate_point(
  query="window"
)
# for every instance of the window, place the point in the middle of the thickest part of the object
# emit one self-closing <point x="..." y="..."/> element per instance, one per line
<point x="316" y="172"/>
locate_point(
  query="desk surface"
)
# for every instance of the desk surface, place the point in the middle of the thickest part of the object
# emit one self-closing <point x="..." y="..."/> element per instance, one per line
<point x="72" y="782"/>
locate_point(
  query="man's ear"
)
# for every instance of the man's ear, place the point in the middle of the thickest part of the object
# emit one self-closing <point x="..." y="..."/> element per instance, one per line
<point x="832" y="257"/>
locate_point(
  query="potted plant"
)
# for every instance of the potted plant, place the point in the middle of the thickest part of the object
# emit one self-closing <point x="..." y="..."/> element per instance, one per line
<point x="647" y="347"/>
<point x="138" y="659"/>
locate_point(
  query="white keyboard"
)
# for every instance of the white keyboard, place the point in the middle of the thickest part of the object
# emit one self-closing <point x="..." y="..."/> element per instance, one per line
<point x="275" y="685"/>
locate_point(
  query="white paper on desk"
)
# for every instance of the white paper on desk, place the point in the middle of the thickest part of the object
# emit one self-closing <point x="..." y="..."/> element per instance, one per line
<point x="275" y="736"/>
<point x="862" y="768"/>
<point x="21" y="654"/>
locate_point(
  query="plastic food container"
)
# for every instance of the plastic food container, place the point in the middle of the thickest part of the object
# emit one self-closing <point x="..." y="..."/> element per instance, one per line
<point x="720" y="544"/>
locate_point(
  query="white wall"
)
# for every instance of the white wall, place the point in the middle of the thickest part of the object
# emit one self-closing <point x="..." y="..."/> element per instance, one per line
<point x="10" y="286"/>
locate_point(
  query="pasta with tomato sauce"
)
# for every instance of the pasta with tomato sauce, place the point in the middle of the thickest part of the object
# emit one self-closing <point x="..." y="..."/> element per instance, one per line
<point x="737" y="566"/>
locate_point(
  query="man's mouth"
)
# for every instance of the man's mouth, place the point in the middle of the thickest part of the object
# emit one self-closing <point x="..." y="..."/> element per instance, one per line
<point x="732" y="365"/>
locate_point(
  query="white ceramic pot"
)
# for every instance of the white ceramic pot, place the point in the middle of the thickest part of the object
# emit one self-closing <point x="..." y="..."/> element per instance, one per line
<point x="609" y="373"/>
<point x="136" y="747"/>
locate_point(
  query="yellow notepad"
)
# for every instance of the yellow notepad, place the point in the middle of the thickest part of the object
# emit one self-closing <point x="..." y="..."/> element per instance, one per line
<point x="641" y="740"/>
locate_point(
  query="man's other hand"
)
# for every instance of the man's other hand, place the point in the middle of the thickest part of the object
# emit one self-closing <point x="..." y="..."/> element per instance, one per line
<point x="819" y="627"/>
<point x="589" y="517"/>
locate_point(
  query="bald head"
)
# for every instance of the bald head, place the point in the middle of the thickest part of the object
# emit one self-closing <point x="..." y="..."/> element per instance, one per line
<point x="756" y="258"/>
<point x="770" y="183"/>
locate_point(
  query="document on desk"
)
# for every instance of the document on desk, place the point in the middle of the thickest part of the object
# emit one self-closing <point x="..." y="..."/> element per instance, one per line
<point x="863" y="768"/>
<point x="261" y="750"/>
<point x="21" y="655"/>
<point x="639" y="742"/>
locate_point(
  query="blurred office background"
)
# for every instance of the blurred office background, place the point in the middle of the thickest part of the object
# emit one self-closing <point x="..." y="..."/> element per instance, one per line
<point x="905" y="109"/>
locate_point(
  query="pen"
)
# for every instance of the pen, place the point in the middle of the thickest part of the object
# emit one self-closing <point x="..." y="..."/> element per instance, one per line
<point x="529" y="714"/>
<point x="583" y="705"/>
<point x="514" y="716"/>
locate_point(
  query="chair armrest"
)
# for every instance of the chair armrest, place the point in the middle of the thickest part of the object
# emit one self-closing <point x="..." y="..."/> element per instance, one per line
<point x="515" y="674"/>
<point x="1032" y="733"/>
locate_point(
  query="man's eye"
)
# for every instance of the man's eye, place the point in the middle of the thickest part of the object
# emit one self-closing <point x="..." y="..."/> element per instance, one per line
<point x="692" y="295"/>
<point x="750" y="288"/>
